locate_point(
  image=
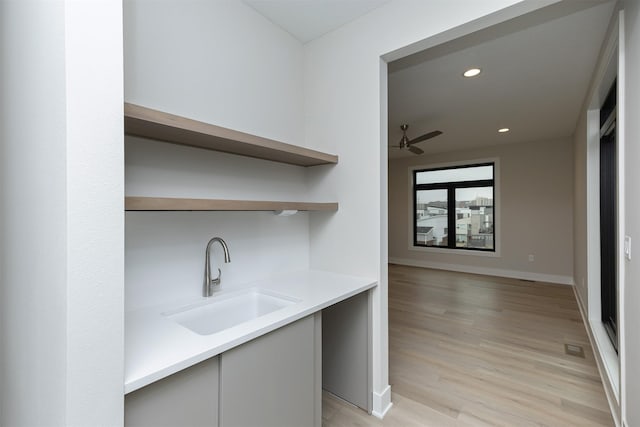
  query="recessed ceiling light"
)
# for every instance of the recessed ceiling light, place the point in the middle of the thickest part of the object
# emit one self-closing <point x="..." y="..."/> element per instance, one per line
<point x="503" y="130"/>
<point x="472" y="72"/>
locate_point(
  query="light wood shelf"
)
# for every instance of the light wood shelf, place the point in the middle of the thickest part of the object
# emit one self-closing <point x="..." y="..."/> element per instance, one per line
<point x="162" y="126"/>
<point x="177" y="204"/>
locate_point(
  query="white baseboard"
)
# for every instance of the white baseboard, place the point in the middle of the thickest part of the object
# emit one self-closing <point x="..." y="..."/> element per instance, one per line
<point x="608" y="386"/>
<point x="382" y="403"/>
<point x="512" y="274"/>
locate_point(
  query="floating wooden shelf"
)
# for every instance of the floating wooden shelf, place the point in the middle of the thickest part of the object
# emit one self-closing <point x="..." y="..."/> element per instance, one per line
<point x="175" y="204"/>
<point x="154" y="124"/>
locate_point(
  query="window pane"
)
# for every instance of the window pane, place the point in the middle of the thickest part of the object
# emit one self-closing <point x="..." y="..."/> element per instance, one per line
<point x="474" y="217"/>
<point x="431" y="217"/>
<point x="474" y="173"/>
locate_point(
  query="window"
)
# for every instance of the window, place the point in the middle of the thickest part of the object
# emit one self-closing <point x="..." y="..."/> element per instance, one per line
<point x="608" y="216"/>
<point x="458" y="199"/>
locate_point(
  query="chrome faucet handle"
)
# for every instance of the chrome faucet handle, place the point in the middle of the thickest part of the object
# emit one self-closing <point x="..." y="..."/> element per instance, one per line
<point x="216" y="281"/>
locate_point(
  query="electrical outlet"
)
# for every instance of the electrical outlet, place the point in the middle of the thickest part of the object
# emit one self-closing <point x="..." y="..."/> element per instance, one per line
<point x="627" y="247"/>
<point x="532" y="257"/>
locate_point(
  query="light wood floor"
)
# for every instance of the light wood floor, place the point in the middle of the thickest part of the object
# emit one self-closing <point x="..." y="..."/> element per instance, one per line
<point x="470" y="350"/>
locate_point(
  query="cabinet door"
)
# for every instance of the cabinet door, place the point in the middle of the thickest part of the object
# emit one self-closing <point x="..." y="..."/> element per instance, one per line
<point x="272" y="380"/>
<point x="188" y="398"/>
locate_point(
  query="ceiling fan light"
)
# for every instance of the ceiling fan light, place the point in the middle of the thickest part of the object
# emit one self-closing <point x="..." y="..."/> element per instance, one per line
<point x="472" y="72"/>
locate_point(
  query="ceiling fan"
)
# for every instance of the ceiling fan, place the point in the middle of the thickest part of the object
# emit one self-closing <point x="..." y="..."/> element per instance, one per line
<point x="407" y="143"/>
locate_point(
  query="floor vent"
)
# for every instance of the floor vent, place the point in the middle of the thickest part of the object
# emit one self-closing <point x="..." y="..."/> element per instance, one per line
<point x="574" y="350"/>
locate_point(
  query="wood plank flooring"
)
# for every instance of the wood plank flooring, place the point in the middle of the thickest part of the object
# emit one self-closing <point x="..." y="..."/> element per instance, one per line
<point x="471" y="350"/>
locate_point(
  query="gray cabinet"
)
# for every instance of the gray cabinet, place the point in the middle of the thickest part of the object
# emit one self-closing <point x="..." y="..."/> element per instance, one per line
<point x="186" y="398"/>
<point x="274" y="380"/>
<point x="346" y="350"/>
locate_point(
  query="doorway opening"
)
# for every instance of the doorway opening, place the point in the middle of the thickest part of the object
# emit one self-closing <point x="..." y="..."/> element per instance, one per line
<point x="472" y="129"/>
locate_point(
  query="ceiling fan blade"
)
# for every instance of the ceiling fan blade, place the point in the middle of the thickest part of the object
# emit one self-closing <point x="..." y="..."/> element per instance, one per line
<point x="425" y="137"/>
<point x="415" y="150"/>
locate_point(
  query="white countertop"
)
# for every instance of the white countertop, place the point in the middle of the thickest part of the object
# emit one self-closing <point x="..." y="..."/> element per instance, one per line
<point x="156" y="347"/>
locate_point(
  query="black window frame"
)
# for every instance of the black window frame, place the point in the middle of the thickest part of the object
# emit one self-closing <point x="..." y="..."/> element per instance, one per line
<point x="451" y="203"/>
<point x="609" y="215"/>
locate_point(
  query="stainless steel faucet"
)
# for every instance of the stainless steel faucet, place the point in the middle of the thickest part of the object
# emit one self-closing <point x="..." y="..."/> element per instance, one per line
<point x="209" y="283"/>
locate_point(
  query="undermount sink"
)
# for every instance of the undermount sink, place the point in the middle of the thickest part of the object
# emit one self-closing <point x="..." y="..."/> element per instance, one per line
<point x="224" y="311"/>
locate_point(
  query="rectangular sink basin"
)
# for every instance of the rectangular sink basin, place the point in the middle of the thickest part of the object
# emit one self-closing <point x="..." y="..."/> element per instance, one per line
<point x="224" y="311"/>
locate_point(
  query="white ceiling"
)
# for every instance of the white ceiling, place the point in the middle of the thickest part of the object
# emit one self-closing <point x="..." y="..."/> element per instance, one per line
<point x="310" y="19"/>
<point x="533" y="81"/>
<point x="536" y="72"/>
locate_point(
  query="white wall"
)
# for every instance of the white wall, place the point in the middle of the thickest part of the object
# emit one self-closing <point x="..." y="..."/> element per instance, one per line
<point x="95" y="223"/>
<point x="631" y="370"/>
<point x="534" y="216"/>
<point x="579" y="209"/>
<point x="586" y="143"/>
<point x="345" y="112"/>
<point x="586" y="213"/>
<point x="216" y="61"/>
<point x="170" y="170"/>
<point x="165" y="250"/>
<point x="223" y="63"/>
<point x="62" y="224"/>
<point x="33" y="310"/>
<point x="628" y="386"/>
